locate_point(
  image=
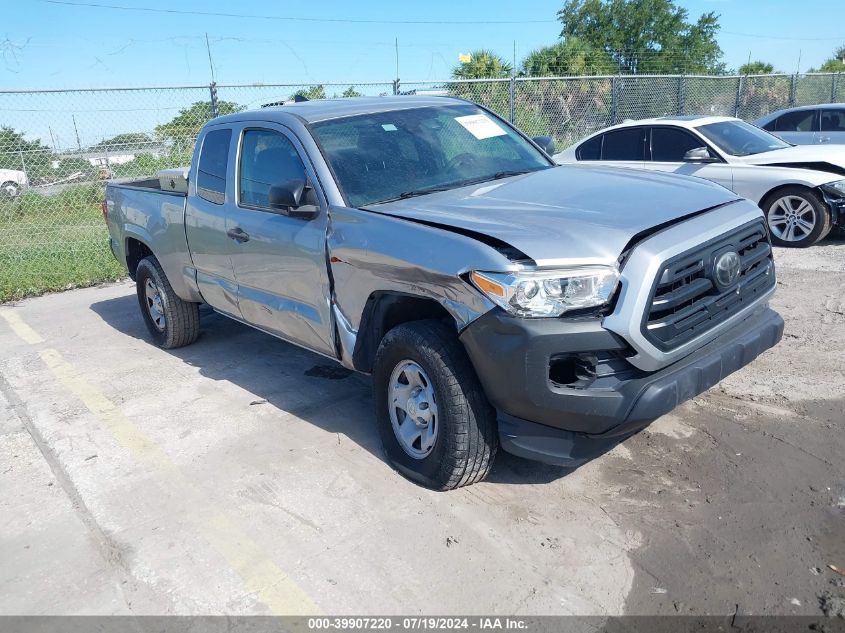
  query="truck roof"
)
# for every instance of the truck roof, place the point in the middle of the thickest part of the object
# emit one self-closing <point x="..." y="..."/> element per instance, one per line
<point x="325" y="109"/>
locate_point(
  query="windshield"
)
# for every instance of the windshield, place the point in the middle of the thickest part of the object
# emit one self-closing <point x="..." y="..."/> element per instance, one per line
<point x="402" y="153"/>
<point x="739" y="138"/>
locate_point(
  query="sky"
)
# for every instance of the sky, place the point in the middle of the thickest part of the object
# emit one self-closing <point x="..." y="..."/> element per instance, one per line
<point x="72" y="44"/>
<point x="58" y="45"/>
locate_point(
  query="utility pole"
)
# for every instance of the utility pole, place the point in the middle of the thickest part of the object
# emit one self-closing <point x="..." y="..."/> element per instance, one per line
<point x="512" y="87"/>
<point x="53" y="140"/>
<point x="78" y="142"/>
<point x="396" y="45"/>
<point x="210" y="62"/>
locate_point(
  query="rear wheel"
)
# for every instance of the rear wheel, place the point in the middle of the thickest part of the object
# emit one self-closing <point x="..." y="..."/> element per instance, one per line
<point x="171" y="321"/>
<point x="436" y="425"/>
<point x="796" y="217"/>
<point x="10" y="190"/>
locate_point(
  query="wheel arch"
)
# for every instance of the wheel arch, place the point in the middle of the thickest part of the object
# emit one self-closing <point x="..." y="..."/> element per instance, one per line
<point x="383" y="311"/>
<point x="136" y="250"/>
<point x="764" y="199"/>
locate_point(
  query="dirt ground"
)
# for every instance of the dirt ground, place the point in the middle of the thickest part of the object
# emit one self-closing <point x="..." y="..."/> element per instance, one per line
<point x="242" y="475"/>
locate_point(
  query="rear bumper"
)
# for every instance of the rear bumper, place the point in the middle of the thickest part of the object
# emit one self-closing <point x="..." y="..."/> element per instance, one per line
<point x="568" y="425"/>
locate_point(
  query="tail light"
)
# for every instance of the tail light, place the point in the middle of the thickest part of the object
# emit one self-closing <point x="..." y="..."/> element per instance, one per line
<point x="105" y="209"/>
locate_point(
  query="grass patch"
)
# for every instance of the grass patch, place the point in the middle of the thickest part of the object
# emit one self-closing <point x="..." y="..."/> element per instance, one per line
<point x="54" y="242"/>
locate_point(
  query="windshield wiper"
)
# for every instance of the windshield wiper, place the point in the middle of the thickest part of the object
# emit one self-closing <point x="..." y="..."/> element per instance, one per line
<point x="454" y="185"/>
<point x="413" y="194"/>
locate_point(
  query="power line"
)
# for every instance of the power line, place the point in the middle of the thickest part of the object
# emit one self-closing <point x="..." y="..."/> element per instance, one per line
<point x="784" y="37"/>
<point x="253" y="16"/>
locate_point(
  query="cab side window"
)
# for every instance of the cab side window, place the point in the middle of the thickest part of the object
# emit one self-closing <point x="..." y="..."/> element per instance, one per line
<point x="268" y="159"/>
<point x="669" y="145"/>
<point x="211" y="171"/>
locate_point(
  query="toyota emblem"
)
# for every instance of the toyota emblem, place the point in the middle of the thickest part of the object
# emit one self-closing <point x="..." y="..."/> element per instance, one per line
<point x="727" y="268"/>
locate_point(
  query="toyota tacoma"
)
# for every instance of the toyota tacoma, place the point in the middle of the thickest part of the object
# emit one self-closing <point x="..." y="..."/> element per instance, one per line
<point x="496" y="299"/>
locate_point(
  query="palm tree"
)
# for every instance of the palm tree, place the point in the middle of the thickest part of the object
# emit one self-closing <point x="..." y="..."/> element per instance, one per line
<point x="568" y="57"/>
<point x="483" y="64"/>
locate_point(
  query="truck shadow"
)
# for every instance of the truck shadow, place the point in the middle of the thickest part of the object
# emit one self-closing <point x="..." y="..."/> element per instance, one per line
<point x="294" y="381"/>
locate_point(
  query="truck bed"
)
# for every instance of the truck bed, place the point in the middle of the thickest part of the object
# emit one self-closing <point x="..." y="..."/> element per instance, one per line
<point x="174" y="180"/>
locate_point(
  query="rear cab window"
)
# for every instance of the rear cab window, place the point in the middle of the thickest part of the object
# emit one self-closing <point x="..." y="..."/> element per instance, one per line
<point x="211" y="171"/>
<point x="624" y="144"/>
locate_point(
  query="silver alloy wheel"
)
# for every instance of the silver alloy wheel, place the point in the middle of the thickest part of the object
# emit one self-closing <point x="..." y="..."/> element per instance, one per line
<point x="154" y="305"/>
<point x="791" y="218"/>
<point x="11" y="190"/>
<point x="413" y="409"/>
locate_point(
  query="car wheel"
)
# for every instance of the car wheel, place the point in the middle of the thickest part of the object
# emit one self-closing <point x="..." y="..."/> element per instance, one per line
<point x="171" y="321"/>
<point x="10" y="190"/>
<point x="435" y="422"/>
<point x="796" y="217"/>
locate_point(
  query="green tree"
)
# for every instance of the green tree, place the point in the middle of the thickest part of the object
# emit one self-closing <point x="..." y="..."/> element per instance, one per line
<point x="311" y="93"/>
<point x="186" y="125"/>
<point x="31" y="157"/>
<point x="483" y="64"/>
<point x="351" y="92"/>
<point x="756" y="68"/>
<point x="645" y="36"/>
<point x="568" y="57"/>
<point x="835" y="64"/>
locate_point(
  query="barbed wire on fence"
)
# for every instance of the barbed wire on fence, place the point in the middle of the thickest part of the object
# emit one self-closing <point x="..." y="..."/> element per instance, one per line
<point x="59" y="147"/>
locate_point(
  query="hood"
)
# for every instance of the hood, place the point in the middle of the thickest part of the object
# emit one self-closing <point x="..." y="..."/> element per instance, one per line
<point x="572" y="214"/>
<point x="820" y="157"/>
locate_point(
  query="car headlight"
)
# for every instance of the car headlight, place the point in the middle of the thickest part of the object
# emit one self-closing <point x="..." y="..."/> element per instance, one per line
<point x="548" y="293"/>
<point x="836" y="189"/>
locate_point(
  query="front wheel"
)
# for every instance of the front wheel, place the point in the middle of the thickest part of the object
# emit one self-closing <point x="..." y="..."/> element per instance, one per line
<point x="171" y="321"/>
<point x="435" y="422"/>
<point x="796" y="217"/>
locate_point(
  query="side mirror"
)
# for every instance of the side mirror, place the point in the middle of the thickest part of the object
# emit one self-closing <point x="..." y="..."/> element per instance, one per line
<point x="295" y="199"/>
<point x="546" y="144"/>
<point x="699" y="155"/>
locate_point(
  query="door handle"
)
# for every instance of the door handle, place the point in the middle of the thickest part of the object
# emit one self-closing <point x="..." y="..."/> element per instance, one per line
<point x="238" y="234"/>
<point x="824" y="139"/>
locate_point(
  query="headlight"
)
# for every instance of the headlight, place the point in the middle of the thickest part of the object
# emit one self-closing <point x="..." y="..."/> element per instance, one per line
<point x="548" y="293"/>
<point x="836" y="189"/>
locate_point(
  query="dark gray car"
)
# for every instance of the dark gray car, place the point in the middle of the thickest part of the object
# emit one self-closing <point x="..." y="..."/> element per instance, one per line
<point x="807" y="125"/>
<point x="495" y="298"/>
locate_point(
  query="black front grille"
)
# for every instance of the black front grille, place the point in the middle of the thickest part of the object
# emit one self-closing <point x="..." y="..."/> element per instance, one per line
<point x="686" y="299"/>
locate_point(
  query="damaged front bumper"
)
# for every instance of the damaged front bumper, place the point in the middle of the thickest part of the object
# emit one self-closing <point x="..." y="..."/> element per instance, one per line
<point x="565" y="393"/>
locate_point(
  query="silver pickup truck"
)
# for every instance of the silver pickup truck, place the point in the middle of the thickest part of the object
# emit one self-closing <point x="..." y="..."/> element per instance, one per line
<point x="495" y="298"/>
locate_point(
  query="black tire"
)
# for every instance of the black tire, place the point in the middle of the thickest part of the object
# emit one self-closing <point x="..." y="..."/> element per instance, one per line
<point x="802" y="237"/>
<point x="10" y="190"/>
<point x="467" y="438"/>
<point x="180" y="324"/>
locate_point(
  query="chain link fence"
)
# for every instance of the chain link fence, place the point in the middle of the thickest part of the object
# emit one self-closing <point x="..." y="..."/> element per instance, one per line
<point x="59" y="147"/>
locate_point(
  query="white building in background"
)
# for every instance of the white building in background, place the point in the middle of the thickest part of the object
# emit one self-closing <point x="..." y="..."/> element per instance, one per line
<point x="104" y="158"/>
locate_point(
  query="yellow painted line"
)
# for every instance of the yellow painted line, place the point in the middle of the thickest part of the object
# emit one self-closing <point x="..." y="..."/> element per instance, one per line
<point x="19" y="327"/>
<point x="141" y="447"/>
<point x="260" y="575"/>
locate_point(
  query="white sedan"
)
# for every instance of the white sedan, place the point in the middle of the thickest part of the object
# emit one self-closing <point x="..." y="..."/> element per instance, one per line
<point x="11" y="182"/>
<point x="801" y="189"/>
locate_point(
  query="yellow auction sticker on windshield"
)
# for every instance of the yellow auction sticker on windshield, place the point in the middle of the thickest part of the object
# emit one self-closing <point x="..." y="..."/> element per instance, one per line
<point x="480" y="126"/>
